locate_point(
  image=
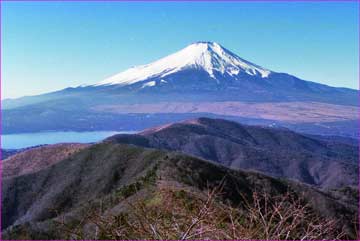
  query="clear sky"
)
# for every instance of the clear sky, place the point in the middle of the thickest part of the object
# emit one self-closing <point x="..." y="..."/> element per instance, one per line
<point x="52" y="45"/>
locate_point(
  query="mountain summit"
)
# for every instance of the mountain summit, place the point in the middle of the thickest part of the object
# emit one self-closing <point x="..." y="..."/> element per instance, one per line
<point x="207" y="71"/>
<point x="210" y="57"/>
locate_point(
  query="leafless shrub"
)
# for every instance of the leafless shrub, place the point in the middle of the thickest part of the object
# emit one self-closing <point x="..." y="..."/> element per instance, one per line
<point x="180" y="214"/>
<point x="284" y="217"/>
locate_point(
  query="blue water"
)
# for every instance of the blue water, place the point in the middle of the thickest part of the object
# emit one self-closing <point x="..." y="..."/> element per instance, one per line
<point x="16" y="141"/>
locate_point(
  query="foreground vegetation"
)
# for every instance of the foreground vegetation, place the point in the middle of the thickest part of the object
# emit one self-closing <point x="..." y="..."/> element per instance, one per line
<point x="116" y="191"/>
<point x="179" y="214"/>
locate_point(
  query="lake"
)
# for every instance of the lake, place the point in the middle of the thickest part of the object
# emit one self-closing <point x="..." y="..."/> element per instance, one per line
<point x="22" y="140"/>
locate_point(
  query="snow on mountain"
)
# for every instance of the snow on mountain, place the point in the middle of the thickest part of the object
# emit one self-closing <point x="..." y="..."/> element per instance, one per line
<point x="149" y="84"/>
<point x="208" y="56"/>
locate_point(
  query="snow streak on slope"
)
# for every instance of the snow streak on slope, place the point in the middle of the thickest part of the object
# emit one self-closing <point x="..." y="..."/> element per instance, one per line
<point x="207" y="56"/>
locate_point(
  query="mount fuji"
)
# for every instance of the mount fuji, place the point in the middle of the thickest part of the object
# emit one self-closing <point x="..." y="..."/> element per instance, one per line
<point x="207" y="67"/>
<point x="201" y="56"/>
<point x="203" y="79"/>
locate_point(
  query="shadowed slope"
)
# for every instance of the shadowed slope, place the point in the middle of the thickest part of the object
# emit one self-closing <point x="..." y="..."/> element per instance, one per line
<point x="278" y="152"/>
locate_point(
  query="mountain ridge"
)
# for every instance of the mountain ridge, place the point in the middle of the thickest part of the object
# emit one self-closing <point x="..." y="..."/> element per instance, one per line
<point x="109" y="175"/>
<point x="275" y="152"/>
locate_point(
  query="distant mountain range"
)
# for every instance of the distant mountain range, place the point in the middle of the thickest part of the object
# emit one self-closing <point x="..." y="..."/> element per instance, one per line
<point x="203" y="79"/>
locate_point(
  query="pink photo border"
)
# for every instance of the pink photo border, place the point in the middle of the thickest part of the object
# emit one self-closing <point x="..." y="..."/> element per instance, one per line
<point x="358" y="1"/>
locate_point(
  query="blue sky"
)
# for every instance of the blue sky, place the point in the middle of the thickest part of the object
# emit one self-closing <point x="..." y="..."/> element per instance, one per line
<point x="52" y="45"/>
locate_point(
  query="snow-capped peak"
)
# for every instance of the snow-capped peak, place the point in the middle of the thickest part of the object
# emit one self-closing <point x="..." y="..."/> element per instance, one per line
<point x="208" y="56"/>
